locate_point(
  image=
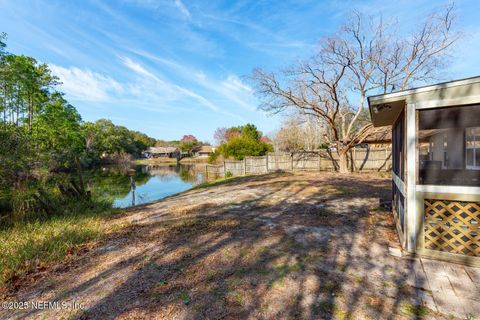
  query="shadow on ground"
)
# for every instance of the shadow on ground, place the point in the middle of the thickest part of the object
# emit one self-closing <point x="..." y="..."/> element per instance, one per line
<point x="277" y="246"/>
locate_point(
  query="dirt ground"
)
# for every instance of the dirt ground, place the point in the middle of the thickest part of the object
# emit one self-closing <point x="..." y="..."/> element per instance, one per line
<point x="278" y="246"/>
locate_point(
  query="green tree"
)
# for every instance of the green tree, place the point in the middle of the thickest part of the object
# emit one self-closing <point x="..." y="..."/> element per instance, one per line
<point x="242" y="146"/>
<point x="3" y="45"/>
<point x="41" y="133"/>
<point x="104" y="138"/>
<point x="57" y="133"/>
<point x="242" y="141"/>
<point x="249" y="130"/>
<point x="188" y="143"/>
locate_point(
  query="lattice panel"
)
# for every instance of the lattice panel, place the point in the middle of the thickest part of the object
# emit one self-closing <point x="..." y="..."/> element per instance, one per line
<point x="452" y="226"/>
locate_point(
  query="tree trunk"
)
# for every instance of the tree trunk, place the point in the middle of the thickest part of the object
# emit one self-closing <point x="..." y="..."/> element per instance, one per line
<point x="80" y="176"/>
<point x="5" y="105"/>
<point x="343" y="161"/>
<point x="30" y="113"/>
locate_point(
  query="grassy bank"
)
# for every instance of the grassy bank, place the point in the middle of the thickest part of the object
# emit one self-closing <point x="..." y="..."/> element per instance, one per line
<point x="159" y="161"/>
<point x="189" y="160"/>
<point x="34" y="244"/>
<point x="155" y="161"/>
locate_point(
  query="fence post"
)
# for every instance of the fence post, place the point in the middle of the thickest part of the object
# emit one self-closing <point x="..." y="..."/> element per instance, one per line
<point x="319" y="163"/>
<point x="224" y="169"/>
<point x="354" y="159"/>
<point x="291" y="156"/>
<point x="266" y="159"/>
<point x="206" y="172"/>
<point x="245" y="166"/>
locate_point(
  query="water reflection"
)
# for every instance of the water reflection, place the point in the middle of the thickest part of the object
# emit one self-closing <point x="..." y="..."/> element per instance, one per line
<point x="152" y="182"/>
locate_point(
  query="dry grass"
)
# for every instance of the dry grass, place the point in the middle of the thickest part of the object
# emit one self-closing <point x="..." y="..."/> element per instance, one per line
<point x="282" y="246"/>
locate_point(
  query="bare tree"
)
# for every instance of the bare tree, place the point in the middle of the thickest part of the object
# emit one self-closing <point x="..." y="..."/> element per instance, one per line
<point x="289" y="137"/>
<point x="365" y="56"/>
<point x="299" y="132"/>
<point x="220" y="136"/>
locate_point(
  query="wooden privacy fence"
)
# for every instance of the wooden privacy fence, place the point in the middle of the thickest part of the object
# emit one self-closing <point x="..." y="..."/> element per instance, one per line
<point x="214" y="172"/>
<point x="371" y="159"/>
<point x="254" y="165"/>
<point x="360" y="159"/>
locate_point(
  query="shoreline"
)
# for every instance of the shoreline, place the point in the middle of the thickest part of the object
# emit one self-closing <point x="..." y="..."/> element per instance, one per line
<point x="170" y="161"/>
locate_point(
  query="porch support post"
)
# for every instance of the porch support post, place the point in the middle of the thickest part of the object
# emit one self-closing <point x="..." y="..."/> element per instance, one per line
<point x="411" y="141"/>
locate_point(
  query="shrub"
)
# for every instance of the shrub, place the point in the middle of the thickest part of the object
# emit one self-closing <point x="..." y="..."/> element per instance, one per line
<point x="242" y="146"/>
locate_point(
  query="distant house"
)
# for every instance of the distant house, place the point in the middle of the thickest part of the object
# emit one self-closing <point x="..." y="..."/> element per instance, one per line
<point x="161" y="152"/>
<point x="380" y="139"/>
<point x="266" y="139"/>
<point x="204" y="151"/>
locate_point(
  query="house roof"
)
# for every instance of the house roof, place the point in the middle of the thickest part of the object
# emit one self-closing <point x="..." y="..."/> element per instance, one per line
<point x="206" y="149"/>
<point x="380" y="135"/>
<point x="266" y="139"/>
<point x="384" y="135"/>
<point x="385" y="108"/>
<point x="162" y="150"/>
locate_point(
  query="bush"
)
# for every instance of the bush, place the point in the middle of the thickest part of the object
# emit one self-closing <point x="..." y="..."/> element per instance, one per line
<point x="30" y="237"/>
<point x="242" y="146"/>
<point x="212" y="158"/>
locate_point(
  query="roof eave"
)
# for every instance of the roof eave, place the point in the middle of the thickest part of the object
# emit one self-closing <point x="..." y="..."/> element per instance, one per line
<point x="438" y="86"/>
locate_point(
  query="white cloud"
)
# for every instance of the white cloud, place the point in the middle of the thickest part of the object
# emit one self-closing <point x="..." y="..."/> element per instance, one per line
<point x="136" y="67"/>
<point x="84" y="84"/>
<point x="162" y="4"/>
<point x="146" y="90"/>
<point x="234" y="83"/>
<point x="183" y="9"/>
<point x="154" y="88"/>
<point x="231" y="89"/>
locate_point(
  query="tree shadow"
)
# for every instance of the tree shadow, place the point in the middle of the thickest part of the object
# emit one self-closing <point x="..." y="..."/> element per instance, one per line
<point x="299" y="246"/>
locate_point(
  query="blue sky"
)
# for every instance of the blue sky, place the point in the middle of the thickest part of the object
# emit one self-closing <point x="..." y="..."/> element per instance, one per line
<point x="174" y="67"/>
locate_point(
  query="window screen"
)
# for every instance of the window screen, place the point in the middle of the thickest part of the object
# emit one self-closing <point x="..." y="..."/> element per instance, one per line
<point x="398" y="147"/>
<point x="472" y="146"/>
<point x="449" y="146"/>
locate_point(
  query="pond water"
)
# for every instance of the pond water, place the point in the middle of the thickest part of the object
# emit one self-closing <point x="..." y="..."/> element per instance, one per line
<point x="151" y="182"/>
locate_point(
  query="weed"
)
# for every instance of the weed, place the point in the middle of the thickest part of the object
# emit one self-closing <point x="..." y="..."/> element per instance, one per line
<point x="357" y="278"/>
<point x="340" y="314"/>
<point x="418" y="310"/>
<point x="344" y="190"/>
<point x="184" y="297"/>
<point x="343" y="268"/>
<point x="324" y="213"/>
<point x="218" y="292"/>
<point x="324" y="306"/>
<point x="263" y="250"/>
<point x="282" y="271"/>
<point x="161" y="283"/>
<point x="329" y="286"/>
<point x="238" y="297"/>
<point x="285" y="269"/>
<point x="276" y="283"/>
<point x="243" y="252"/>
<point x="211" y="273"/>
